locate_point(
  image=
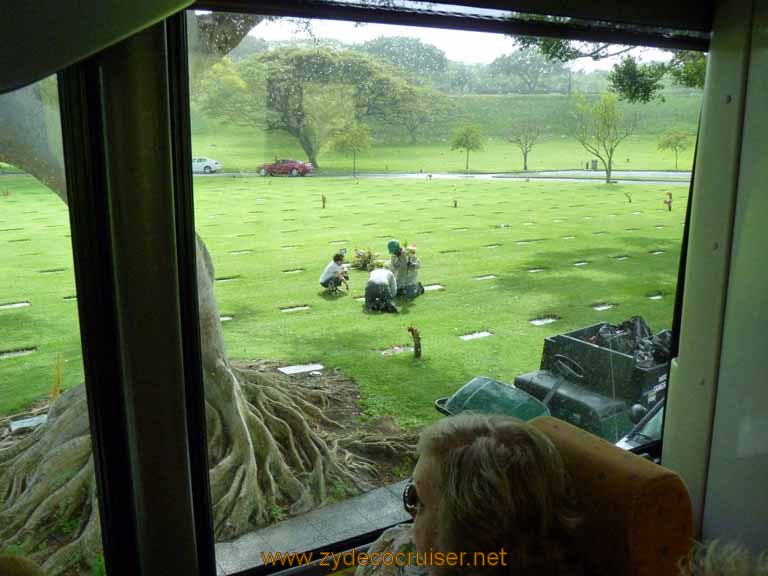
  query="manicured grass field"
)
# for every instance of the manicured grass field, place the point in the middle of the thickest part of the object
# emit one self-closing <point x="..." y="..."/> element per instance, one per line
<point x="246" y="150"/>
<point x="271" y="235"/>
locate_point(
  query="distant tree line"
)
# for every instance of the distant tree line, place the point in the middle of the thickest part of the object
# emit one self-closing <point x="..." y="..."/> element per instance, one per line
<point x="525" y="72"/>
<point x="329" y="95"/>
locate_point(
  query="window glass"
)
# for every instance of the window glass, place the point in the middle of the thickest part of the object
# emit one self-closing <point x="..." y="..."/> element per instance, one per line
<point x="530" y="209"/>
<point x="48" y="501"/>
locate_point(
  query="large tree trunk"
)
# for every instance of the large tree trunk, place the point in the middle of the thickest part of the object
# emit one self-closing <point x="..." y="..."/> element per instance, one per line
<point x="309" y="146"/>
<point x="266" y="443"/>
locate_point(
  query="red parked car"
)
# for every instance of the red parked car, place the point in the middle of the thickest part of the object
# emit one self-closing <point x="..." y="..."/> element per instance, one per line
<point x="290" y="167"/>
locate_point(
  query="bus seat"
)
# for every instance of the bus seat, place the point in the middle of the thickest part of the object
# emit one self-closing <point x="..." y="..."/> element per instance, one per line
<point x="18" y="566"/>
<point x="637" y="516"/>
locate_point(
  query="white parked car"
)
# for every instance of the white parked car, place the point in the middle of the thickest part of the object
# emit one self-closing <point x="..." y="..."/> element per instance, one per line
<point x="205" y="165"/>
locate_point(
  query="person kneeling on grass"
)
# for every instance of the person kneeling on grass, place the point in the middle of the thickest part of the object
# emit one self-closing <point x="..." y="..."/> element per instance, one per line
<point x="487" y="487"/>
<point x="380" y="289"/>
<point x="335" y="274"/>
<point x="405" y="266"/>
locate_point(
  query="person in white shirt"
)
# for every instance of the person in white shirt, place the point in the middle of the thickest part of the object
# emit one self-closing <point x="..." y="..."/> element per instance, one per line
<point x="380" y="289"/>
<point x="335" y="274"/>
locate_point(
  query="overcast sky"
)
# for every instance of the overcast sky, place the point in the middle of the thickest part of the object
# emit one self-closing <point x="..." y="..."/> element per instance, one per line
<point x="462" y="46"/>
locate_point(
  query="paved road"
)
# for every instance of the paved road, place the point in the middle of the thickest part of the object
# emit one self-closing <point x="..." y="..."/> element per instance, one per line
<point x="677" y="178"/>
<point x="621" y="176"/>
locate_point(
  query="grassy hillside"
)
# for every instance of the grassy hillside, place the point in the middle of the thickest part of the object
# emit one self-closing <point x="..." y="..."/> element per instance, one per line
<point x="496" y="114"/>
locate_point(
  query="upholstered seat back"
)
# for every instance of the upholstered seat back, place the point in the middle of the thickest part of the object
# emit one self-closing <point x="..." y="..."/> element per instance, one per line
<point x="637" y="518"/>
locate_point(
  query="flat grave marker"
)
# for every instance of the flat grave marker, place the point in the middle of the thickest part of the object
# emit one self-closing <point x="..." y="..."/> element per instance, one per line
<point x="28" y="423"/>
<point x="300" y="368"/>
<point x="476" y="335"/>
<point x="431" y="288"/>
<point x="581" y="263"/>
<point x="294" y="308"/>
<point x="238" y="252"/>
<point x="603" y="306"/>
<point x="486" y="277"/>
<point x="544" y="320"/>
<point x="396" y="350"/>
<point x="16" y="352"/>
<point x="10" y="305"/>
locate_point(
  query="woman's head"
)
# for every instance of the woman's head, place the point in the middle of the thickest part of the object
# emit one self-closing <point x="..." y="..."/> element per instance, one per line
<point x="487" y="483"/>
<point x="724" y="559"/>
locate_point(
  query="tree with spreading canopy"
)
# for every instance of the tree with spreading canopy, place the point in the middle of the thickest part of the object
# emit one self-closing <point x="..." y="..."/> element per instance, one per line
<point x="420" y="60"/>
<point x="525" y="136"/>
<point x="268" y="440"/>
<point x="352" y="138"/>
<point x="303" y="92"/>
<point x="600" y="127"/>
<point x="468" y="138"/>
<point x="528" y="67"/>
<point x="418" y="110"/>
<point x="675" y="140"/>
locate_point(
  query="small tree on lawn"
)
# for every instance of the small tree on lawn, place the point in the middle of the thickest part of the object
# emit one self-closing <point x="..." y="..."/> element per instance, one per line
<point x="601" y="127"/>
<point x="675" y="140"/>
<point x="525" y="137"/>
<point x="352" y="138"/>
<point x="467" y="138"/>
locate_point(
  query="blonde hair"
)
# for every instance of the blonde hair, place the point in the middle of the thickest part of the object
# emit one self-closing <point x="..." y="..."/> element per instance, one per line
<point x="502" y="485"/>
<point x="724" y="559"/>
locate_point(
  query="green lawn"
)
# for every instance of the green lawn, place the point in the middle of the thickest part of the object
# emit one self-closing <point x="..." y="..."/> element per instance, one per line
<point x="247" y="149"/>
<point x="279" y="223"/>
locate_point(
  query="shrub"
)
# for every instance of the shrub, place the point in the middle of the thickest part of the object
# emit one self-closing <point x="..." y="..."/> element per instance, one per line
<point x="365" y="259"/>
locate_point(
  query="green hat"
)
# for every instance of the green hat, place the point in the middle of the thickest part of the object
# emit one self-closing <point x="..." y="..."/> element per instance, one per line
<point x="393" y="246"/>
